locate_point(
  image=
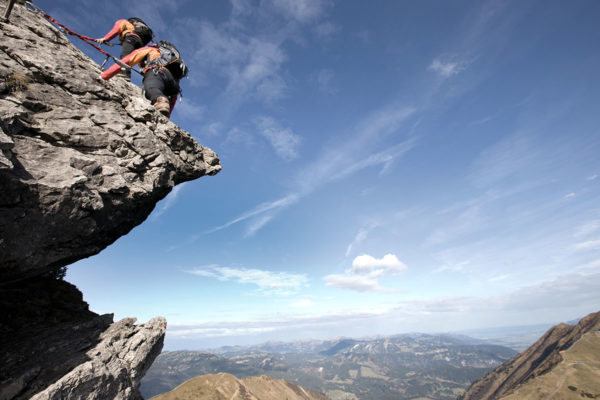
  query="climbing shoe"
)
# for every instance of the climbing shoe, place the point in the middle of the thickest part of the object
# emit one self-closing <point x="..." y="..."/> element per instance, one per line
<point x="162" y="105"/>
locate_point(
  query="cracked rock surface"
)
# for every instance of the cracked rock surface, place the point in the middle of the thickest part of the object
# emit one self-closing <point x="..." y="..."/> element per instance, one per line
<point x="53" y="347"/>
<point x="82" y="161"/>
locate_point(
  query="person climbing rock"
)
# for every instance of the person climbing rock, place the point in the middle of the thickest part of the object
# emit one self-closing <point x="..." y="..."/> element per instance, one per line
<point x="133" y="34"/>
<point x="162" y="68"/>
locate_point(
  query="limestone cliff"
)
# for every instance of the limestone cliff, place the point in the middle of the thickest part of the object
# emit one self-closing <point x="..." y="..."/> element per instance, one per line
<point x="82" y="162"/>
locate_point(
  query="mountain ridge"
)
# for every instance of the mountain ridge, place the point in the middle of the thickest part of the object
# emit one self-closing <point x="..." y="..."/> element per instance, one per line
<point x="228" y="387"/>
<point x="411" y="366"/>
<point x="537" y="360"/>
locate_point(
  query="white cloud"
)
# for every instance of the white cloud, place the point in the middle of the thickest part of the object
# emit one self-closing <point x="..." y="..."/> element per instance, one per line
<point x="361" y="236"/>
<point x="470" y="217"/>
<point x="250" y="65"/>
<point x="238" y="136"/>
<point x="326" y="30"/>
<point x="455" y="267"/>
<point x="498" y="278"/>
<point x="323" y="80"/>
<point x="300" y="10"/>
<point x="188" y="109"/>
<point x="257" y="224"/>
<point x="213" y="129"/>
<point x="154" y="12"/>
<point x="588" y="228"/>
<point x="592" y="177"/>
<point x="587" y="245"/>
<point x="283" y="140"/>
<point x="569" y="195"/>
<point x="268" y="282"/>
<point x="270" y="206"/>
<point x="367" y="264"/>
<point x="567" y="297"/>
<point x="168" y="201"/>
<point x="302" y="303"/>
<point x="365" y="272"/>
<point x="342" y="160"/>
<point x="268" y="324"/>
<point x="448" y="68"/>
<point x="591" y="265"/>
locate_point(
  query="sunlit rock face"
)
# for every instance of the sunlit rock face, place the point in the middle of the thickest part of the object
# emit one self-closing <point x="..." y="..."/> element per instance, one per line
<point x="82" y="162"/>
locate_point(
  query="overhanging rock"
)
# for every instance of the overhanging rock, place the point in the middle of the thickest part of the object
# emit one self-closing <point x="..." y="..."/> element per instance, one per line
<point x="82" y="161"/>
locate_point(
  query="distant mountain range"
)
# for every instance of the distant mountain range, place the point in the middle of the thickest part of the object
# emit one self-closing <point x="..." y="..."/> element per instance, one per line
<point x="563" y="364"/>
<point x="396" y="367"/>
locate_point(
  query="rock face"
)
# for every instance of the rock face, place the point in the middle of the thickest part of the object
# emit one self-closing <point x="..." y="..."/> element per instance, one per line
<point x="117" y="363"/>
<point x="537" y="360"/>
<point x="228" y="387"/>
<point x="53" y="347"/>
<point x="82" y="162"/>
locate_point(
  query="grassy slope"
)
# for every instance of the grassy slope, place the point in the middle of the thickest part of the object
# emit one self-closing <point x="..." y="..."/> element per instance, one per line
<point x="577" y="377"/>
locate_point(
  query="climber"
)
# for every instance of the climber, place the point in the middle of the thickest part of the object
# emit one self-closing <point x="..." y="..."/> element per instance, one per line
<point x="133" y="34"/>
<point x="162" y="68"/>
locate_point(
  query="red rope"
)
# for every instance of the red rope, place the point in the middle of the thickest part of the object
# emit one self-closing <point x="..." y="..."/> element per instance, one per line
<point x="70" y="32"/>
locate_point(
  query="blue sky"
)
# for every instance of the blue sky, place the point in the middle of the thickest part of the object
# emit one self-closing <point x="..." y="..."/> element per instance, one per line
<point x="388" y="166"/>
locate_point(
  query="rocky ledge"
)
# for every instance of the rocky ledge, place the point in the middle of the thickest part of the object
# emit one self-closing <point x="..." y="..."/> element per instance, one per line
<point x="82" y="162"/>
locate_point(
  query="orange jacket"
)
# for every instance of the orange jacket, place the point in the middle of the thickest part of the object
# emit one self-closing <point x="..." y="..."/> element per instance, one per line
<point x="133" y="58"/>
<point x="122" y="28"/>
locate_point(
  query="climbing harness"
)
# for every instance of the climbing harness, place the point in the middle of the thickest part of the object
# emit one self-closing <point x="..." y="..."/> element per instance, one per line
<point x="35" y="9"/>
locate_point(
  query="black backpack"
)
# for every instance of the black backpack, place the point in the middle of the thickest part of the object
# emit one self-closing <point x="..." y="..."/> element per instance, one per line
<point x="170" y="59"/>
<point x="142" y="30"/>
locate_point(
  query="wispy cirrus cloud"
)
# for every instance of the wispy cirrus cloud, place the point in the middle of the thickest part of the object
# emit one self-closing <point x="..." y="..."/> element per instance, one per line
<point x="362" y="149"/>
<point x="587" y="245"/>
<point x="250" y="62"/>
<point x="447" y="69"/>
<point x="324" y="80"/>
<point x="365" y="273"/>
<point x="266" y="207"/>
<point x="361" y="235"/>
<point x="168" y="201"/>
<point x="283" y="140"/>
<point x="300" y="10"/>
<point x="250" y="65"/>
<point x="268" y="282"/>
